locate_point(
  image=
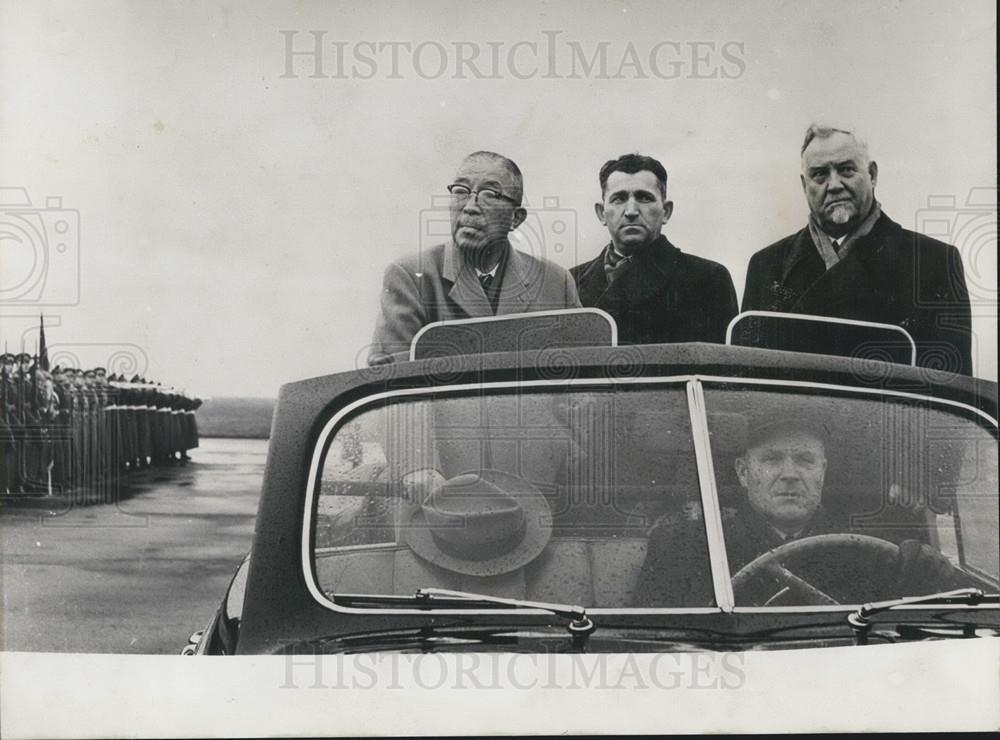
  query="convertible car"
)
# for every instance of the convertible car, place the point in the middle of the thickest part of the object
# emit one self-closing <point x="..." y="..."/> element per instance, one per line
<point x="526" y="484"/>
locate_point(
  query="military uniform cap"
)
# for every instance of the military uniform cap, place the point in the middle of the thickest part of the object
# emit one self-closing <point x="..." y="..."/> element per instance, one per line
<point x="22" y="356"/>
<point x="763" y="427"/>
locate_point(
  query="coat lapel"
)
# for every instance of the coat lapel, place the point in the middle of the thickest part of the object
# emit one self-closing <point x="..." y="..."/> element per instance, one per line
<point x="592" y="282"/>
<point x="802" y="264"/>
<point x="856" y="283"/>
<point x="466" y="291"/>
<point x="653" y="271"/>
<point x="516" y="286"/>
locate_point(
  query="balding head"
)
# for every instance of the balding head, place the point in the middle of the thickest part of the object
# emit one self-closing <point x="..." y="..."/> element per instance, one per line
<point x="516" y="188"/>
<point x="838" y="178"/>
<point x="485" y="204"/>
<point x="823" y="131"/>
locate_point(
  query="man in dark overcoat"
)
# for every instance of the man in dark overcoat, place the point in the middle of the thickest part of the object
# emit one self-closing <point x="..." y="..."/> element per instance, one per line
<point x="854" y="262"/>
<point x="654" y="291"/>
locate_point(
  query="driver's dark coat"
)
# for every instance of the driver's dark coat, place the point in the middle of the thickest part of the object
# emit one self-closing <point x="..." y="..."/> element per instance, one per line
<point x="665" y="296"/>
<point x="890" y="276"/>
<point x="676" y="571"/>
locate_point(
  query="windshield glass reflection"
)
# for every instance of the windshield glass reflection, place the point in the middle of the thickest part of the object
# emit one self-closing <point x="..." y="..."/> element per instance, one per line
<point x="831" y="500"/>
<point x="592" y="497"/>
<point x="547" y="496"/>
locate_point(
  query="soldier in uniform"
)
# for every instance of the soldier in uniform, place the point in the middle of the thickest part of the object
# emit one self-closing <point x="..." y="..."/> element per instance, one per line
<point x="191" y="438"/>
<point x="46" y="406"/>
<point x="9" y="413"/>
<point x="145" y="416"/>
<point x="127" y="402"/>
<point x="94" y="411"/>
<point x="62" y="441"/>
<point x="81" y="432"/>
<point x="26" y="427"/>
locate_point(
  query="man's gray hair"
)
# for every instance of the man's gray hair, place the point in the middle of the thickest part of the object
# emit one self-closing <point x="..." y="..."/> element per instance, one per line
<point x="507" y="163"/>
<point x="824" y="131"/>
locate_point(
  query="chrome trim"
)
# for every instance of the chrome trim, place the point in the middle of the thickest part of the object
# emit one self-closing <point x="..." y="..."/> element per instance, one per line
<point x="348" y="548"/>
<point x="509" y="316"/>
<point x="721" y="581"/>
<point x="591" y="611"/>
<point x="604" y="382"/>
<point x="829" y="319"/>
<point x="851" y="607"/>
<point x="848" y="388"/>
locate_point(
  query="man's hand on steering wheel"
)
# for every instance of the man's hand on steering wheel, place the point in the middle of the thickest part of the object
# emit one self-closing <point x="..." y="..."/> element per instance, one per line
<point x="908" y="569"/>
<point x="772" y="564"/>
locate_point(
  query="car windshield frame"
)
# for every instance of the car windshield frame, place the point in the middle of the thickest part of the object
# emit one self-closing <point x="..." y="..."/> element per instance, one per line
<point x="694" y="386"/>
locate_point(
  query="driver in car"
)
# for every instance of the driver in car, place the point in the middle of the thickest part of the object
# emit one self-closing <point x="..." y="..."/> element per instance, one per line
<point x="782" y="470"/>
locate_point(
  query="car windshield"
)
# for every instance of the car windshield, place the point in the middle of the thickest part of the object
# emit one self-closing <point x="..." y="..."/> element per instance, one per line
<point x="833" y="499"/>
<point x="534" y="494"/>
<point x="576" y="494"/>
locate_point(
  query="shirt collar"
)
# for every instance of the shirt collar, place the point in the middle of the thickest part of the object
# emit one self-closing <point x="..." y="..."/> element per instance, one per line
<point x="788" y="537"/>
<point x="836" y="241"/>
<point x="497" y="268"/>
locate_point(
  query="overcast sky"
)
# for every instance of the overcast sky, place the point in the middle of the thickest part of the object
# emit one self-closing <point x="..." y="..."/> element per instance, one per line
<point x="237" y="205"/>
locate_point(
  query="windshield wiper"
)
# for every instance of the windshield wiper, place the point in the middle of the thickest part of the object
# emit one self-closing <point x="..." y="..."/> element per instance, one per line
<point x="580" y="625"/>
<point x="861" y="619"/>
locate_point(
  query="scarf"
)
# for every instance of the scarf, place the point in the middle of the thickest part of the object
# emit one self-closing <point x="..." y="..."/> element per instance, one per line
<point x="615" y="265"/>
<point x="824" y="244"/>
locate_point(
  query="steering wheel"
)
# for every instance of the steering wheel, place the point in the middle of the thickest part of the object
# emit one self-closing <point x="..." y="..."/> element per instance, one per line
<point x="770" y="563"/>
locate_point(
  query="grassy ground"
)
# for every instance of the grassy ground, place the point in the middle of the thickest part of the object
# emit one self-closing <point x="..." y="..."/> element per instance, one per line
<point x="247" y="418"/>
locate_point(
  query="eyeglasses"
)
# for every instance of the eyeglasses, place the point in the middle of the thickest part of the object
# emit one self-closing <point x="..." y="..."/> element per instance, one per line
<point x="484" y="196"/>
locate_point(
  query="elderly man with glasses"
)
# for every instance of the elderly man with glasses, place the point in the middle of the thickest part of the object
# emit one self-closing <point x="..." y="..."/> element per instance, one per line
<point x="477" y="273"/>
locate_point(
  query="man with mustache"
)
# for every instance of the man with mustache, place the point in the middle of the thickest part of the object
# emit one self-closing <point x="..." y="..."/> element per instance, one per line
<point x="782" y="470"/>
<point x="477" y="273"/>
<point x="852" y="261"/>
<point x="655" y="292"/>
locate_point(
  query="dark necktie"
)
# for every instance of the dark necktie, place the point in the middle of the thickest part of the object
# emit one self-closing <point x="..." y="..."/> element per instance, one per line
<point x="492" y="293"/>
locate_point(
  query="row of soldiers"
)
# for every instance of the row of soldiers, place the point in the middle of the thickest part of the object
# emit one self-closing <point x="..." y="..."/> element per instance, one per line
<point x="66" y="429"/>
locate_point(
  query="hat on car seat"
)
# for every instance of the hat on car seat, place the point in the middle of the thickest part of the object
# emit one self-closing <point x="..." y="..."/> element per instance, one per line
<point x="484" y="523"/>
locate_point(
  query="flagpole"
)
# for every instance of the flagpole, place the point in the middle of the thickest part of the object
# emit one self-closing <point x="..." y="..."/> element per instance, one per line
<point x="43" y="350"/>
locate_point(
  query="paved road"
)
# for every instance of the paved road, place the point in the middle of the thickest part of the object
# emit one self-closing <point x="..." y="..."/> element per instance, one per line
<point x="138" y="576"/>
